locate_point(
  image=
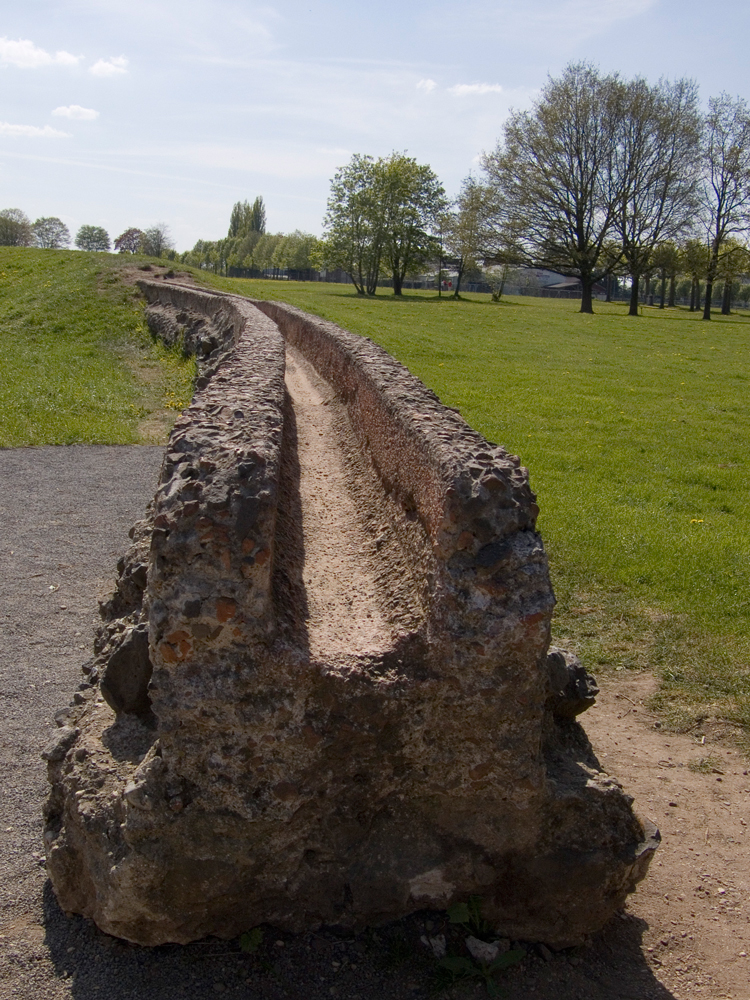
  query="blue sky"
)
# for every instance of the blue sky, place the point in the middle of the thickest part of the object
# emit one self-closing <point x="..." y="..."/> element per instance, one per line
<point x="122" y="112"/>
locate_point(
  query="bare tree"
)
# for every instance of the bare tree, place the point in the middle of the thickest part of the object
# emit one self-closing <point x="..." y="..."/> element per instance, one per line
<point x="655" y="170"/>
<point x="156" y="241"/>
<point x="554" y="172"/>
<point x="726" y="181"/>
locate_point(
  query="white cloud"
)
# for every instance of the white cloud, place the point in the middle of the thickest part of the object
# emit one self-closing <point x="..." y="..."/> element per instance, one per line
<point x="426" y="85"/>
<point x="465" y="89"/>
<point x="26" y="55"/>
<point x="110" y="67"/>
<point x="32" y="130"/>
<point x="76" y="111"/>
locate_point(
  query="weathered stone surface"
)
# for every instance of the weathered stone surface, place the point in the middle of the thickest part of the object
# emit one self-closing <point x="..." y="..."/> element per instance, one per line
<point x="295" y="767"/>
<point x="571" y="688"/>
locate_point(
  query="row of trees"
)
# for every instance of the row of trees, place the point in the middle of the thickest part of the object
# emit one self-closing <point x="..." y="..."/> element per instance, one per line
<point x="249" y="248"/>
<point x="604" y="176"/>
<point x="51" y="233"/>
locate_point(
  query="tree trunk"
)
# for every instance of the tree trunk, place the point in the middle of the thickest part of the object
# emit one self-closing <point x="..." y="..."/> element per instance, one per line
<point x="633" y="311"/>
<point x="459" y="275"/>
<point x="672" y="282"/>
<point x="663" y="294"/>
<point x="709" y="296"/>
<point x="693" y="296"/>
<point x="726" y="299"/>
<point x="586" y="296"/>
<point x="647" y="289"/>
<point x="609" y="288"/>
<point x="397" y="282"/>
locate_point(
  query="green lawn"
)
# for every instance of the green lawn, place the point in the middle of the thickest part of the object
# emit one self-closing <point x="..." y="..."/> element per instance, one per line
<point x="636" y="433"/>
<point x="77" y="362"/>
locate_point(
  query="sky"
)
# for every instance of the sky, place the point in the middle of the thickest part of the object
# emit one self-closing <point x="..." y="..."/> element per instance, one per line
<point x="122" y="113"/>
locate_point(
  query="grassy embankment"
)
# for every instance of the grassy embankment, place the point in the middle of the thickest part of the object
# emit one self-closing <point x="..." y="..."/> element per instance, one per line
<point x="636" y="432"/>
<point x="78" y="364"/>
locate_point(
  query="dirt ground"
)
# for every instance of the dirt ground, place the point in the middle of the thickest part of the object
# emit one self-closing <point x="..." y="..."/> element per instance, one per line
<point x="64" y="515"/>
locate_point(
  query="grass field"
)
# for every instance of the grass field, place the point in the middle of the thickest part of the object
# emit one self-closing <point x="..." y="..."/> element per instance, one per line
<point x="77" y="361"/>
<point x="636" y="433"/>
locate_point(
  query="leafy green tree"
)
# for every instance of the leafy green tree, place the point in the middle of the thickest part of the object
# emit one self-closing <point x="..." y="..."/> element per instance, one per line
<point x="465" y="235"/>
<point x="694" y="256"/>
<point x="15" y="228"/>
<point x="353" y="224"/>
<point x="381" y="217"/>
<point x="92" y="238"/>
<point x="734" y="259"/>
<point x="247" y="218"/>
<point x="411" y="198"/>
<point x="50" y="233"/>
<point x="263" y="253"/>
<point x="666" y="260"/>
<point x="129" y="241"/>
<point x="726" y="180"/>
<point x="295" y="251"/>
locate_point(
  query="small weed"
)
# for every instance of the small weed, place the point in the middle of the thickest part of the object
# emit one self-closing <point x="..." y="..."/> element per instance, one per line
<point x="469" y="916"/>
<point x="455" y="968"/>
<point x="705" y="765"/>
<point x="398" y="951"/>
<point x="250" y="941"/>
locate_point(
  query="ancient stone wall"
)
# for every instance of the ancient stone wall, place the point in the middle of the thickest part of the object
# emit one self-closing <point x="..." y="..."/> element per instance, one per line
<point x="323" y="691"/>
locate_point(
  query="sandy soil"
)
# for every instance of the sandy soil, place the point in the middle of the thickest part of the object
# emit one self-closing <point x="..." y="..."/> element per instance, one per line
<point x="65" y="514"/>
<point x="345" y="613"/>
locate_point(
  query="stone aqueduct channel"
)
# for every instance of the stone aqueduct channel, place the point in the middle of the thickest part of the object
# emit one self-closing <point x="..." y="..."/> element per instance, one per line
<point x="323" y="691"/>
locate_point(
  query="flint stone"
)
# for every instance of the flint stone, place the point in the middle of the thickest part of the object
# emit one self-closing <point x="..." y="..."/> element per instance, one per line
<point x="268" y="783"/>
<point x="571" y="688"/>
<point x="125" y="679"/>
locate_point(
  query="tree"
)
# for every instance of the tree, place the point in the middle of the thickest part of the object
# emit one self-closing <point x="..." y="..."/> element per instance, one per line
<point x="411" y="199"/>
<point x="734" y="259"/>
<point x="247" y="218"/>
<point x="726" y="179"/>
<point x="92" y="238"/>
<point x="694" y="256"/>
<point x="129" y="241"/>
<point x="15" y="228"/>
<point x="156" y="241"/>
<point x="50" y="233"/>
<point x="265" y="248"/>
<point x="464" y="231"/>
<point x="553" y="174"/>
<point x="654" y="170"/>
<point x="353" y="237"/>
<point x="666" y="260"/>
<point x="381" y="215"/>
<point x="294" y="251"/>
